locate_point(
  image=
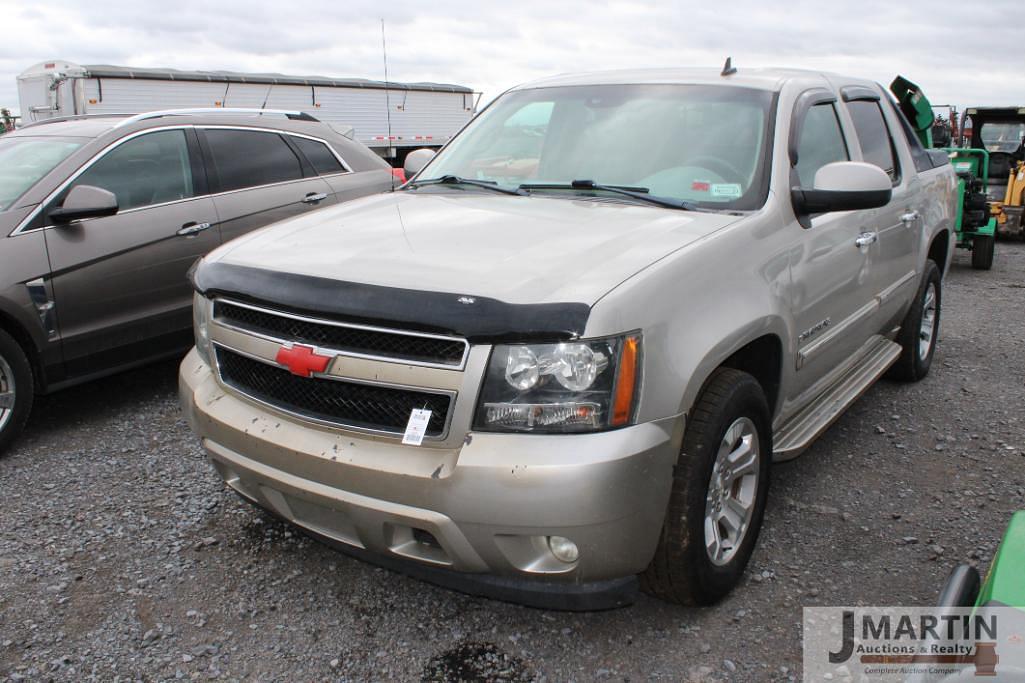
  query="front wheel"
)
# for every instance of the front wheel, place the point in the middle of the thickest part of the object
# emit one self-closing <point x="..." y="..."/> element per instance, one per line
<point x="720" y="486"/>
<point x="16" y="389"/>
<point x="982" y="251"/>
<point x="921" y="327"/>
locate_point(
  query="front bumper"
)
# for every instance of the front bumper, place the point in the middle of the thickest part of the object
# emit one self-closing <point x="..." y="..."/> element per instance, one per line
<point x="469" y="517"/>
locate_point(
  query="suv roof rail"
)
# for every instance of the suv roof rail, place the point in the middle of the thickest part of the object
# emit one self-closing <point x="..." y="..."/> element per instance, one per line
<point x="145" y="116"/>
<point x="72" y="117"/>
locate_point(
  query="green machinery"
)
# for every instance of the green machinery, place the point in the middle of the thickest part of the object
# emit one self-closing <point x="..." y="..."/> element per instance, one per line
<point x="974" y="224"/>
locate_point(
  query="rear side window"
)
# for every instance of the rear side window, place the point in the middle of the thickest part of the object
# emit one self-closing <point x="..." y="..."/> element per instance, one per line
<point x="821" y="142"/>
<point x="918" y="153"/>
<point x="249" y="158"/>
<point x="874" y="136"/>
<point x="151" y="169"/>
<point x="318" y="154"/>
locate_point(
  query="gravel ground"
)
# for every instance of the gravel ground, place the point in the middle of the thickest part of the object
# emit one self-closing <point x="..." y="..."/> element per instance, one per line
<point x="123" y="558"/>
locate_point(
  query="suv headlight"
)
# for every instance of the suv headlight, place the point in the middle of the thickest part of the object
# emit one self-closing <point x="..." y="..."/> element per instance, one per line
<point x="201" y="313"/>
<point x="579" y="386"/>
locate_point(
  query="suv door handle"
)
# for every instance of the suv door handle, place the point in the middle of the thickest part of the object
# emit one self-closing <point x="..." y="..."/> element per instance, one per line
<point x="909" y="217"/>
<point x="865" y="239"/>
<point x="314" y="197"/>
<point x="192" y="229"/>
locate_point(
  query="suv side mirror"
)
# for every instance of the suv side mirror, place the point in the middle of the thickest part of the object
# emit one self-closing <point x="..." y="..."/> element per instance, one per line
<point x="843" y="186"/>
<point x="416" y="160"/>
<point x="85" y="201"/>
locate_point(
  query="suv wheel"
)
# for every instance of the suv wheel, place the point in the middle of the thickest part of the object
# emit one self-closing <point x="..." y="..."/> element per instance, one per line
<point x="920" y="329"/>
<point x="720" y="486"/>
<point x="16" y="389"/>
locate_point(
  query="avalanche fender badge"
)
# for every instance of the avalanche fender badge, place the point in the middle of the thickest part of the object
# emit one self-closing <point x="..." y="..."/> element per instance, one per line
<point x="416" y="427"/>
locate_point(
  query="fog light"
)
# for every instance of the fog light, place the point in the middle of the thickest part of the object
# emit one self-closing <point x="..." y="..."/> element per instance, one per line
<point x="564" y="549"/>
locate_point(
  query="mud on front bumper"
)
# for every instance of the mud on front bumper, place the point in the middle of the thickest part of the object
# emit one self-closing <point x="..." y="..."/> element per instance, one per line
<point x="473" y="518"/>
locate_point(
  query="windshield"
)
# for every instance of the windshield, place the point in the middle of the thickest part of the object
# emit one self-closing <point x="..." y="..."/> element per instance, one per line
<point x="700" y="144"/>
<point x="1002" y="137"/>
<point x="24" y="160"/>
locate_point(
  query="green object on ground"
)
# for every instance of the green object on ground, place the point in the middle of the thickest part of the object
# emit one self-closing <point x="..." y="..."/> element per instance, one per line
<point x="1005" y="582"/>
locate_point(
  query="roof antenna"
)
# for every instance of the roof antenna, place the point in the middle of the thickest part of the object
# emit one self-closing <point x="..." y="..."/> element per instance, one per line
<point x="728" y="69"/>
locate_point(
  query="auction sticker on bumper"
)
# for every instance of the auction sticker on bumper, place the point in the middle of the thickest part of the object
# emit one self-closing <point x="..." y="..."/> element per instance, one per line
<point x="913" y="643"/>
<point x="416" y="427"/>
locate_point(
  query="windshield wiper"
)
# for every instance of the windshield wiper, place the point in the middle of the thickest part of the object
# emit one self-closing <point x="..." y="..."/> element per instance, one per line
<point x="456" y="180"/>
<point x="641" y="193"/>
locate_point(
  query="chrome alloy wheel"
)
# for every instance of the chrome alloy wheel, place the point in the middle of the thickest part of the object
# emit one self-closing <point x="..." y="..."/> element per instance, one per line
<point x="927" y="333"/>
<point x="732" y="490"/>
<point x="6" y="393"/>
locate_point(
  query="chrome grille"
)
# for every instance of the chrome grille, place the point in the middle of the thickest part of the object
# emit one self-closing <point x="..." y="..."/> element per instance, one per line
<point x="342" y="402"/>
<point x="347" y="338"/>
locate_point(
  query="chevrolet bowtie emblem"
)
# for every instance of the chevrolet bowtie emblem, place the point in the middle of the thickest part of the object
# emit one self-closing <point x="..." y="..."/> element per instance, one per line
<point x="302" y="360"/>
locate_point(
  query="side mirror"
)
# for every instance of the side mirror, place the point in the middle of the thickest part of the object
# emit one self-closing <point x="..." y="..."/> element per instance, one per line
<point x="416" y="160"/>
<point x="85" y="201"/>
<point x="843" y="186"/>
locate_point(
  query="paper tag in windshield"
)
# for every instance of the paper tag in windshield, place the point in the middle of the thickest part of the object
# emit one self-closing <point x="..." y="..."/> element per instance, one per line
<point x="416" y="427"/>
<point x="731" y="190"/>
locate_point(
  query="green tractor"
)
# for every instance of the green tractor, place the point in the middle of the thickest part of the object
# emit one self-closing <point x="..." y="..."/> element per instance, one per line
<point x="976" y="222"/>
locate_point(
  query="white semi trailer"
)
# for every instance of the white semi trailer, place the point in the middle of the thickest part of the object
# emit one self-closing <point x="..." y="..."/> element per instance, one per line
<point x="389" y="117"/>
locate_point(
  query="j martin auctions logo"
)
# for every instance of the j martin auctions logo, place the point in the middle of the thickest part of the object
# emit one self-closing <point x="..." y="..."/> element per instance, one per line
<point x="931" y="639"/>
<point x="913" y="643"/>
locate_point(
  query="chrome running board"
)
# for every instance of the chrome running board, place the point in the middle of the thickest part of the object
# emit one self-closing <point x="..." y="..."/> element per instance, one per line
<point x="798" y="432"/>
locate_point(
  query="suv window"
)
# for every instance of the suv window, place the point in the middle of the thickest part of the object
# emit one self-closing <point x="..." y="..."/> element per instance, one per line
<point x="918" y="153"/>
<point x="151" y="169"/>
<point x="874" y="136"/>
<point x="248" y="158"/>
<point x="821" y="142"/>
<point x="320" y="157"/>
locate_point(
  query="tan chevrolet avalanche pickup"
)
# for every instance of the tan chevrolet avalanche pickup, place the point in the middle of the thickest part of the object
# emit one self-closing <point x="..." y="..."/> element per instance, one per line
<point x="558" y="364"/>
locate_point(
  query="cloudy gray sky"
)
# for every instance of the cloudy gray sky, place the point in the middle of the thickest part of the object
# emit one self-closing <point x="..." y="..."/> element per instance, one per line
<point x="959" y="52"/>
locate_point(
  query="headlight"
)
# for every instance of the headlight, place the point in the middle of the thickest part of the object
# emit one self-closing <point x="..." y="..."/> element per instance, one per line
<point x="201" y="312"/>
<point x="579" y="386"/>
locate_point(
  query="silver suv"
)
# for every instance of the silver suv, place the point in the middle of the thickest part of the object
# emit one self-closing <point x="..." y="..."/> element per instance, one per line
<point x="565" y="354"/>
<point x="101" y="217"/>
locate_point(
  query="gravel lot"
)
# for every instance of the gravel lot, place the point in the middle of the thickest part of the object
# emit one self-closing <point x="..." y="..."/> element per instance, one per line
<point x="122" y="556"/>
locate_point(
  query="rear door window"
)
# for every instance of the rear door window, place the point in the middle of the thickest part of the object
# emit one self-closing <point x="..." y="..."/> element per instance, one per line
<point x="150" y="169"/>
<point x="918" y="153"/>
<point x="874" y="136"/>
<point x="324" y="162"/>
<point x="249" y="158"/>
<point x="821" y="142"/>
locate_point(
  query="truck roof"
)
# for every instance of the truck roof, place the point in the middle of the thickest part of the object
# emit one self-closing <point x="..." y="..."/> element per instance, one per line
<point x="762" y="79"/>
<point x="163" y="74"/>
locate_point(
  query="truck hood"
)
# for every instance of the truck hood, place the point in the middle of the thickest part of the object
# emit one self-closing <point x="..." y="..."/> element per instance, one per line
<point x="519" y="250"/>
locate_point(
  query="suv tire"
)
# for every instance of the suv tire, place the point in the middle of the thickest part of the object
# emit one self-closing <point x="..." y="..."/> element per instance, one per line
<point x="17" y="390"/>
<point x="920" y="328"/>
<point x="711" y="476"/>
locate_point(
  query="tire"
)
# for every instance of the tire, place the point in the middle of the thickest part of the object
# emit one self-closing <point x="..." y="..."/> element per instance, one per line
<point x="917" y="351"/>
<point x="15" y="380"/>
<point x="683" y="570"/>
<point x="982" y="251"/>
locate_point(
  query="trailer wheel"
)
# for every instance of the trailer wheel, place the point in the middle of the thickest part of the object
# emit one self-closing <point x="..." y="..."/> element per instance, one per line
<point x="982" y="252"/>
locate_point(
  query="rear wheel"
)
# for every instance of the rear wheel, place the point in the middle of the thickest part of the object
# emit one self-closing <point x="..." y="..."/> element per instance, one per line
<point x="920" y="328"/>
<point x="16" y="389"/>
<point x="720" y="485"/>
<point x="982" y="252"/>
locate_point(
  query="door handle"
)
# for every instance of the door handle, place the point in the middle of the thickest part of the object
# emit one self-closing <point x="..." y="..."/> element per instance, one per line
<point x="192" y="229"/>
<point x="909" y="218"/>
<point x="314" y="197"/>
<point x="865" y="239"/>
